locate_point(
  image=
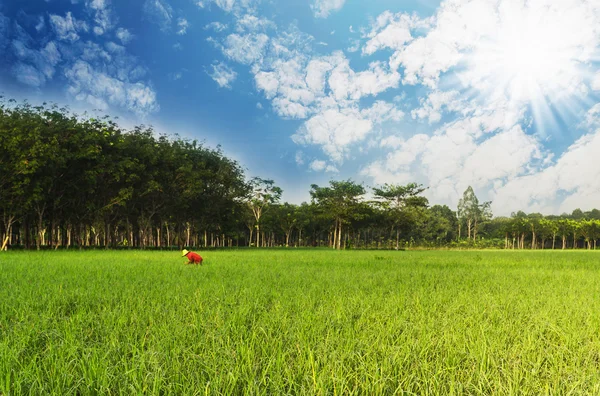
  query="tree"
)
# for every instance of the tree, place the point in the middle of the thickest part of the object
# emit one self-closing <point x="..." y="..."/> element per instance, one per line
<point x="340" y="201"/>
<point x="263" y="194"/>
<point x="442" y="224"/>
<point x="287" y="218"/>
<point x="471" y="212"/>
<point x="396" y="199"/>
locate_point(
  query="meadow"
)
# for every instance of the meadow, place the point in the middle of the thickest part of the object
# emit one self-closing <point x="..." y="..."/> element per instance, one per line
<point x="293" y="322"/>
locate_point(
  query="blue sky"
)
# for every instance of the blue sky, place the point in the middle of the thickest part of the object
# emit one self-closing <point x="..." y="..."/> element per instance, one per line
<point x="498" y="94"/>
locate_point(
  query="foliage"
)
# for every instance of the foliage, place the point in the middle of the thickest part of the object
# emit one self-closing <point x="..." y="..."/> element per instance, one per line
<point x="71" y="181"/>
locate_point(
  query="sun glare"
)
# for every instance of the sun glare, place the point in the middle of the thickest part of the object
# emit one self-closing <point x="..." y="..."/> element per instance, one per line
<point x="533" y="57"/>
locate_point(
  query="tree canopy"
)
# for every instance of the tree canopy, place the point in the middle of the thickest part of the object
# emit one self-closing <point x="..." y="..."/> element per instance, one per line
<point x="75" y="181"/>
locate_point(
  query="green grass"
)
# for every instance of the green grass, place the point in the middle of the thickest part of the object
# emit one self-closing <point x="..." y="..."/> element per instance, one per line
<point x="300" y="322"/>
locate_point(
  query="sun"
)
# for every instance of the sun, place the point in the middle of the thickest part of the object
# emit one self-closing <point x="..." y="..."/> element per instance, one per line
<point x="532" y="56"/>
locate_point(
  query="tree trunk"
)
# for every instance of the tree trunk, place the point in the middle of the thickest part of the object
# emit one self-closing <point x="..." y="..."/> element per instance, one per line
<point x="9" y="220"/>
<point x="188" y="229"/>
<point x="469" y="228"/>
<point x="168" y="235"/>
<point x="553" y="240"/>
<point x="397" y="238"/>
<point x="564" y="242"/>
<point x="257" y="235"/>
<point x="335" y="230"/>
<point x="41" y="231"/>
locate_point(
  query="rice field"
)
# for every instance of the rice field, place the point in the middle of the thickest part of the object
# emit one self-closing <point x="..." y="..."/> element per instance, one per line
<point x="300" y="322"/>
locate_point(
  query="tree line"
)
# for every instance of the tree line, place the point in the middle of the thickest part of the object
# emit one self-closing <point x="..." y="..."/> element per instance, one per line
<point x="70" y="181"/>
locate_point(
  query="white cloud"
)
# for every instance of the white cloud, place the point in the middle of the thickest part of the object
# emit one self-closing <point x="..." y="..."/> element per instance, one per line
<point x="391" y="31"/>
<point x="392" y="142"/>
<point x="235" y="6"/>
<point x="596" y="82"/>
<point x="29" y="75"/>
<point x="484" y="148"/>
<point x="251" y="23"/>
<point x="354" y="46"/>
<point x="4" y="31"/>
<point x="485" y="140"/>
<point x="572" y="182"/>
<point x="96" y="87"/>
<point x="124" y="35"/>
<point x="299" y="157"/>
<point x="35" y="67"/>
<point x="159" y="12"/>
<point x="431" y="108"/>
<point x="216" y="26"/>
<point x="382" y="111"/>
<point x="103" y="17"/>
<point x="245" y="49"/>
<point x="41" y="24"/>
<point x="67" y="28"/>
<point x="322" y="8"/>
<point x="334" y="131"/>
<point x="176" y="76"/>
<point x="337" y="130"/>
<point x="182" y="26"/>
<point x="223" y="75"/>
<point x="320" y="166"/>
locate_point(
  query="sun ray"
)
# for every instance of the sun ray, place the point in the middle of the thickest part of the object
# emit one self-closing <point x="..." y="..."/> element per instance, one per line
<point x="533" y="59"/>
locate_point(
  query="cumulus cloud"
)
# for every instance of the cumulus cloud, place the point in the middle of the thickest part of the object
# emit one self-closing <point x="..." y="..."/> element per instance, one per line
<point x="68" y="28"/>
<point x="245" y="49"/>
<point x="322" y="8"/>
<point x="337" y="130"/>
<point x="96" y="87"/>
<point x="223" y="75"/>
<point x="432" y="107"/>
<point x="320" y="166"/>
<point x="389" y="31"/>
<point x="124" y="35"/>
<point x="103" y="15"/>
<point x="571" y="182"/>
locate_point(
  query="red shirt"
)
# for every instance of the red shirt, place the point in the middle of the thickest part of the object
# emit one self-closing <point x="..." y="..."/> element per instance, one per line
<point x="194" y="258"/>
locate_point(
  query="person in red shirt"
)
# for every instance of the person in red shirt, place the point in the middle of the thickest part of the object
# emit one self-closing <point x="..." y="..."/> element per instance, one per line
<point x="194" y="258"/>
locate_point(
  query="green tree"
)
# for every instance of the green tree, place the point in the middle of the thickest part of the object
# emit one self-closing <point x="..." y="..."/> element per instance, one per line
<point x="400" y="201"/>
<point x="263" y="194"/>
<point x="340" y="201"/>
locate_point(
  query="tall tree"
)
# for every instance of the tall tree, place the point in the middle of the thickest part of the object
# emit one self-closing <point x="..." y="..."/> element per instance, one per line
<point x="468" y="210"/>
<point x="263" y="194"/>
<point x="398" y="199"/>
<point x="340" y="200"/>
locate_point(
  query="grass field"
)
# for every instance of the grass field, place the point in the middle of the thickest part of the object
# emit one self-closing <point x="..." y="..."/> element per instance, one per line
<point x="300" y="322"/>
